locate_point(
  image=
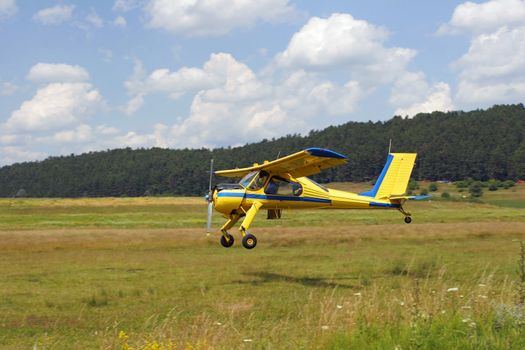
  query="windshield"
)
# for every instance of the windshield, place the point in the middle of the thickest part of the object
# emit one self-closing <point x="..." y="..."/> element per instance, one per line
<point x="318" y="185"/>
<point x="245" y="181"/>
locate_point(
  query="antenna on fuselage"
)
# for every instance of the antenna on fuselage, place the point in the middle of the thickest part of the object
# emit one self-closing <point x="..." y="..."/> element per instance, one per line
<point x="278" y="155"/>
<point x="389" y="146"/>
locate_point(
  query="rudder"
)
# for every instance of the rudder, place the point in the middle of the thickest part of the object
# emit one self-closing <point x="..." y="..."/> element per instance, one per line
<point x="394" y="177"/>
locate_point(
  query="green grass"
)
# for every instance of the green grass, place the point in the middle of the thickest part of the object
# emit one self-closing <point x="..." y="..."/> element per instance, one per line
<point x="76" y="273"/>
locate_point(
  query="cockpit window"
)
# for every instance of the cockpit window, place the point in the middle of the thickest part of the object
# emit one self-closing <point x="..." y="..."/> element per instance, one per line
<point x="245" y="181"/>
<point x="259" y="181"/>
<point x="283" y="187"/>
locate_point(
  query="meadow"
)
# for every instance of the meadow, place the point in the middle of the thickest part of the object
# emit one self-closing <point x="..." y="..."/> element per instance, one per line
<point x="141" y="273"/>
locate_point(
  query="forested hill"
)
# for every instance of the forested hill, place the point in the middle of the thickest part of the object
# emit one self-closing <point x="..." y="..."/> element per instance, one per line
<point x="481" y="144"/>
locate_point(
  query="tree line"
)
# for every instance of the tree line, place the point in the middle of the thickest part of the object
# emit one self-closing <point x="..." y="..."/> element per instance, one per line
<point x="480" y="144"/>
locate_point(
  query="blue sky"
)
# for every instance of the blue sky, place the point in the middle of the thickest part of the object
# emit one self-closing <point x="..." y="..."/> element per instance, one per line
<point x="78" y="76"/>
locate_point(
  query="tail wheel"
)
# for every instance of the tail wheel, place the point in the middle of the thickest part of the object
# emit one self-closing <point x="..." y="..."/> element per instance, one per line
<point x="227" y="243"/>
<point x="408" y="219"/>
<point x="249" y="241"/>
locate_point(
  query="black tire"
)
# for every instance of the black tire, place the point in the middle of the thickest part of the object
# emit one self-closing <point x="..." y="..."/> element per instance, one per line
<point x="227" y="243"/>
<point x="408" y="219"/>
<point x="249" y="241"/>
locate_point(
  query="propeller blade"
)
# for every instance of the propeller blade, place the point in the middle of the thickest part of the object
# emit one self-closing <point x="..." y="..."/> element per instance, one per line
<point x="210" y="211"/>
<point x="210" y="199"/>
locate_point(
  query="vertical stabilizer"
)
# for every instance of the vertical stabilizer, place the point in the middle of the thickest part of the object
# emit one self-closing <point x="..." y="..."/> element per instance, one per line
<point x="394" y="177"/>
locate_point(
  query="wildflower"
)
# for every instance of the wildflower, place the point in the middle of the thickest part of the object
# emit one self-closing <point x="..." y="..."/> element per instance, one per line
<point x="324" y="328"/>
<point x="358" y="294"/>
<point x="453" y="289"/>
<point x="482" y="285"/>
<point x="466" y="307"/>
<point x="218" y="323"/>
<point x="482" y="296"/>
<point x="443" y="311"/>
<point x="247" y="340"/>
<point x="402" y="303"/>
<point x="122" y="335"/>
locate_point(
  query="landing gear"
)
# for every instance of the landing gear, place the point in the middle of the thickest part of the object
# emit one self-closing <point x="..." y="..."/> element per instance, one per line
<point x="249" y="241"/>
<point x="408" y="219"/>
<point x="227" y="240"/>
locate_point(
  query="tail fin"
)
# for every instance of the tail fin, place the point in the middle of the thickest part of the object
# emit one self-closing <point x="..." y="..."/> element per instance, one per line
<point x="394" y="177"/>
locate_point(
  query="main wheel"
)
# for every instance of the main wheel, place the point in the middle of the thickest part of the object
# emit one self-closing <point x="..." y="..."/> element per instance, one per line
<point x="227" y="243"/>
<point x="408" y="219"/>
<point x="249" y="241"/>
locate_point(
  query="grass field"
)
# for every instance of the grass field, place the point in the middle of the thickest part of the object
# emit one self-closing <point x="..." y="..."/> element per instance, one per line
<point x="122" y="273"/>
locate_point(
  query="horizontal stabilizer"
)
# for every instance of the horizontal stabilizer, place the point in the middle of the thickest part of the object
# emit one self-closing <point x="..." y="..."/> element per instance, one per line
<point x="412" y="198"/>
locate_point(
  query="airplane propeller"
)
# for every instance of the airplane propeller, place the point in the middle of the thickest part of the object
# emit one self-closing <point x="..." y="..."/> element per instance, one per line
<point x="209" y="198"/>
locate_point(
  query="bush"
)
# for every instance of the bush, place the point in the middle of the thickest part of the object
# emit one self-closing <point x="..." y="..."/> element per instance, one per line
<point x="476" y="189"/>
<point x="493" y="187"/>
<point x="433" y="187"/>
<point x="413" y="185"/>
<point x="445" y="195"/>
<point x="508" y="184"/>
<point x="424" y="192"/>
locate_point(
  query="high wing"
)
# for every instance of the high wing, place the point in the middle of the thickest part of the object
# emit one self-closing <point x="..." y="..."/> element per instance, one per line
<point x="304" y="163"/>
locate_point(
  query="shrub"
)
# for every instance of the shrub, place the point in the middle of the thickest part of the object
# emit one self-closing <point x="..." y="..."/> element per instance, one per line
<point x="433" y="187"/>
<point x="445" y="195"/>
<point x="493" y="187"/>
<point x="424" y="192"/>
<point x="475" y="189"/>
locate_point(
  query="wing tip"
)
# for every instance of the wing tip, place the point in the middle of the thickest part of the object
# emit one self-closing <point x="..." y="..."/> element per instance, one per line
<point x="322" y="152"/>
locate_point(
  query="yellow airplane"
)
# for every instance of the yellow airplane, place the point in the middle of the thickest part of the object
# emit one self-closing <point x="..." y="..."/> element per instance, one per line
<point x="282" y="184"/>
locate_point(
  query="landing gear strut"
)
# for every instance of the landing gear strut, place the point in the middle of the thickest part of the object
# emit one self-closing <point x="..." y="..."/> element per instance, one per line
<point x="408" y="218"/>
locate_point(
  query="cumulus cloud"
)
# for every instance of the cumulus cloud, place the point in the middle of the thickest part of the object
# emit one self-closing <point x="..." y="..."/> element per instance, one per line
<point x="49" y="72"/>
<point x="202" y="17"/>
<point x="493" y="69"/>
<point x="343" y="41"/>
<point x="477" y="18"/>
<point x="127" y="5"/>
<point x="437" y="98"/>
<point x="120" y="21"/>
<point x="7" y="88"/>
<point x="94" y="19"/>
<point x="54" y="106"/>
<point x="54" y="15"/>
<point x="15" y="154"/>
<point x="232" y="103"/>
<point x="7" y="8"/>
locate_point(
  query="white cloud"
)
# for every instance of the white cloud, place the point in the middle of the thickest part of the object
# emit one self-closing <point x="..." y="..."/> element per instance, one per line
<point x="49" y="72"/>
<point x="94" y="19"/>
<point x="202" y="17"/>
<point x="238" y="105"/>
<point x="54" y="15"/>
<point x="7" y="8"/>
<point x="486" y="17"/>
<point x="7" y="88"/>
<point x="492" y="70"/>
<point x="55" y="106"/>
<point x="80" y="134"/>
<point x="437" y="98"/>
<point x="342" y="41"/>
<point x="120" y="21"/>
<point x="15" y="154"/>
<point x="127" y="5"/>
